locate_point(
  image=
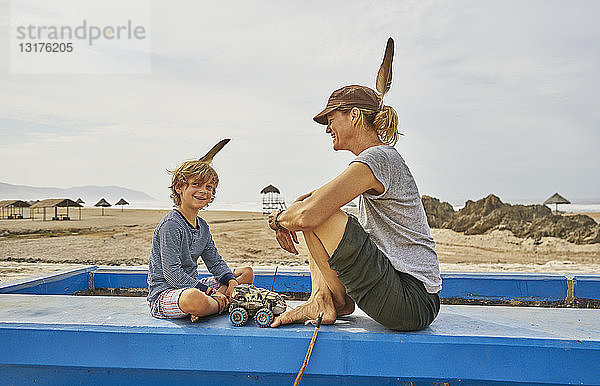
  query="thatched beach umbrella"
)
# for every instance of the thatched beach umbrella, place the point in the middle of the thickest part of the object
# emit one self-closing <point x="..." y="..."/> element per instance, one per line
<point x="80" y="201"/>
<point x="270" y="189"/>
<point x="556" y="199"/>
<point x="103" y="203"/>
<point x="122" y="202"/>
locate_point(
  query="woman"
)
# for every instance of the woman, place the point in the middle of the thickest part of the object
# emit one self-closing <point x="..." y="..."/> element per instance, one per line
<point x="384" y="261"/>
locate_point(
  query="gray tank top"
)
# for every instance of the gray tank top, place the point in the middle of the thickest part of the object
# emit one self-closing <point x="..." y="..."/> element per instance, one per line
<point x="396" y="220"/>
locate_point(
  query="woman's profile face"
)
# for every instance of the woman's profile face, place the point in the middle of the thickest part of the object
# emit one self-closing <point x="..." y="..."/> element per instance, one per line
<point x="341" y="129"/>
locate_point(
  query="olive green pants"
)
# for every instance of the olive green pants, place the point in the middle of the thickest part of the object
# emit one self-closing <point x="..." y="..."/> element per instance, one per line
<point x="395" y="299"/>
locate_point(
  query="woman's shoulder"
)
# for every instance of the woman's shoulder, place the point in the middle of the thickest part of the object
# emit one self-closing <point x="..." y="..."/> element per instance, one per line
<point x="379" y="149"/>
<point x="381" y="153"/>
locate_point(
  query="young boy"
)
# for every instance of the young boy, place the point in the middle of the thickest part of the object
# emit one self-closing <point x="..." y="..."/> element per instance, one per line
<point x="179" y="239"/>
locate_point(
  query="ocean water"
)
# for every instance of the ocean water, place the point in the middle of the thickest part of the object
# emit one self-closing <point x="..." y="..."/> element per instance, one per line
<point x="575" y="208"/>
<point x="250" y="206"/>
<point x="231" y="206"/>
<point x="569" y="208"/>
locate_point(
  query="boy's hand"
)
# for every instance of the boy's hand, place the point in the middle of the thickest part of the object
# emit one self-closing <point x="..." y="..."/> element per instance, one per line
<point x="229" y="291"/>
<point x="222" y="300"/>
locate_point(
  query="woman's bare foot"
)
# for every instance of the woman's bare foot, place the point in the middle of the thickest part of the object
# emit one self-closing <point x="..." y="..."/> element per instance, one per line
<point x="345" y="309"/>
<point x="317" y="303"/>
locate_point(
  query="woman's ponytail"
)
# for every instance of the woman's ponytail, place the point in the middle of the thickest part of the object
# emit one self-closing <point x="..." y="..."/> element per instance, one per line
<point x="386" y="124"/>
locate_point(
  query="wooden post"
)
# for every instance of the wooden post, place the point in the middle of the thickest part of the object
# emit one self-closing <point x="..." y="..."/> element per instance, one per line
<point x="79" y="213"/>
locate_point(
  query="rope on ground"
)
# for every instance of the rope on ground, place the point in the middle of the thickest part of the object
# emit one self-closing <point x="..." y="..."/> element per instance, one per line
<point x="310" y="348"/>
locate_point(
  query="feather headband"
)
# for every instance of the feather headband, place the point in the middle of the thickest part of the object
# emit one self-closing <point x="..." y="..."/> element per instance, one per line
<point x="208" y="157"/>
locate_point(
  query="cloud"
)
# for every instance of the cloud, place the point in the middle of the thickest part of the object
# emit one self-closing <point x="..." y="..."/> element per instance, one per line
<point x="492" y="96"/>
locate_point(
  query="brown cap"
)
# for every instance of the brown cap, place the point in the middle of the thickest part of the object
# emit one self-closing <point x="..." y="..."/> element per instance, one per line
<point x="348" y="97"/>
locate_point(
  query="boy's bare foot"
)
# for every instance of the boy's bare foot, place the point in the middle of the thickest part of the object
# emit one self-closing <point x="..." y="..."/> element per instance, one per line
<point x="316" y="304"/>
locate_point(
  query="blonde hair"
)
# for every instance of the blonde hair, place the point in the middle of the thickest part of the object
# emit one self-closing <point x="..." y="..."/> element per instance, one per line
<point x="384" y="122"/>
<point x="189" y="171"/>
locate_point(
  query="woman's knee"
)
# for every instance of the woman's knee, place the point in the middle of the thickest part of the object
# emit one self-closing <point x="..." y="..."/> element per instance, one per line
<point x="331" y="231"/>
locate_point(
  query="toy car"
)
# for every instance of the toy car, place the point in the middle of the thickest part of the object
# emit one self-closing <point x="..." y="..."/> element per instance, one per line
<point x="249" y="301"/>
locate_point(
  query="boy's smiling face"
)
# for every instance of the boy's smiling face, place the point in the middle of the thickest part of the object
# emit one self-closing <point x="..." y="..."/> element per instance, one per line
<point x="196" y="194"/>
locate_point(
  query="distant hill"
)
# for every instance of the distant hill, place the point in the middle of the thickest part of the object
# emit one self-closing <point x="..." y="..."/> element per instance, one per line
<point x="90" y="194"/>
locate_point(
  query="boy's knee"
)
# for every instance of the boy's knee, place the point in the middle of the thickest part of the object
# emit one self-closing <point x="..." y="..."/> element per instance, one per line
<point x="192" y="301"/>
<point x="244" y="275"/>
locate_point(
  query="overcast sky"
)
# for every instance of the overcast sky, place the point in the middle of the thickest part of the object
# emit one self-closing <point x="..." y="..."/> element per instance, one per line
<point x="493" y="97"/>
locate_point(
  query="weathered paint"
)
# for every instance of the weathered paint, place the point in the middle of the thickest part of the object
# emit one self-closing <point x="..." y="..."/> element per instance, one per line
<point x="491" y="286"/>
<point x="470" y="286"/>
<point x="54" y="339"/>
<point x="586" y="286"/>
<point x="61" y="283"/>
<point x="120" y="278"/>
<point x="488" y="286"/>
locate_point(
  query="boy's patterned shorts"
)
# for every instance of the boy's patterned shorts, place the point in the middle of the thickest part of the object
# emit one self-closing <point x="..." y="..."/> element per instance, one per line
<point x="166" y="306"/>
<point x="211" y="281"/>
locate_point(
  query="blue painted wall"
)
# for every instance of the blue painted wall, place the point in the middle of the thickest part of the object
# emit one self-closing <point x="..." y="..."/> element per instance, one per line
<point x="252" y="356"/>
<point x="586" y="286"/>
<point x="524" y="287"/>
<point x="120" y="279"/>
<point x="477" y="286"/>
<point x="62" y="283"/>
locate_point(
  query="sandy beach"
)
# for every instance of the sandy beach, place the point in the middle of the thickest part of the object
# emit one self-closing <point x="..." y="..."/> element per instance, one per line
<point x="30" y="248"/>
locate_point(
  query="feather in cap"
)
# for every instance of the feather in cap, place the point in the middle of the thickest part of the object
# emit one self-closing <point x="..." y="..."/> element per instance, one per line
<point x="384" y="76"/>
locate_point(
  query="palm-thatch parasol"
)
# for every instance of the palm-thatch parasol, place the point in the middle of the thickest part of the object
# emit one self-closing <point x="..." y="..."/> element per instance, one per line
<point x="103" y="203"/>
<point x="122" y="202"/>
<point x="270" y="189"/>
<point x="556" y="199"/>
<point x="80" y="201"/>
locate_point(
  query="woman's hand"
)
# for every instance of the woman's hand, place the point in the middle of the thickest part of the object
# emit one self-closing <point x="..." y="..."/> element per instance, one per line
<point x="286" y="240"/>
<point x="272" y="218"/>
